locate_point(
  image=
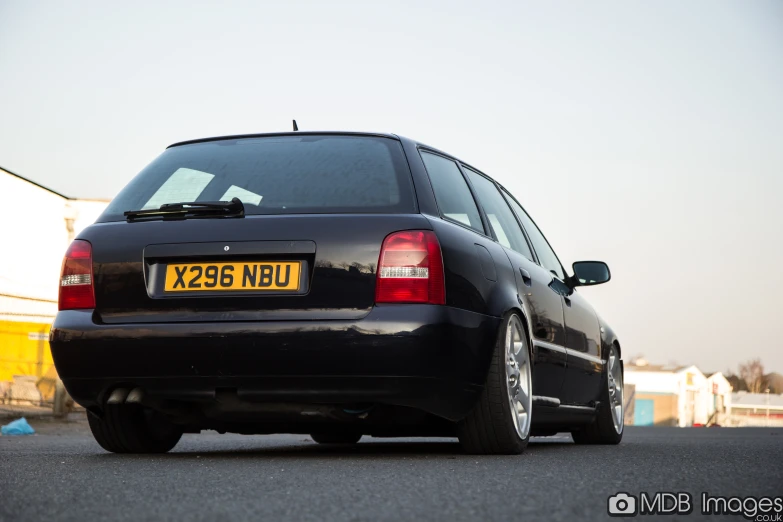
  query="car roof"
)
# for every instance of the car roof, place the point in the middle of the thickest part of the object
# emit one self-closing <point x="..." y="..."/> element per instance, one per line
<point x="289" y="133"/>
<point x="331" y="133"/>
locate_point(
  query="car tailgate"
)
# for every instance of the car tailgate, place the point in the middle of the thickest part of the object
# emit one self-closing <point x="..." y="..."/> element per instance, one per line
<point x="336" y="256"/>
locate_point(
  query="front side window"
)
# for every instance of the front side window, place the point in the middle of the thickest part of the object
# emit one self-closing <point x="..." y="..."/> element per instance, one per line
<point x="500" y="217"/>
<point x="546" y="255"/>
<point x="451" y="191"/>
<point x="308" y="174"/>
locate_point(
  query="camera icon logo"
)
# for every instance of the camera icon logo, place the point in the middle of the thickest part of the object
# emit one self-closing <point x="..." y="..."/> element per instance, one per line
<point x="622" y="505"/>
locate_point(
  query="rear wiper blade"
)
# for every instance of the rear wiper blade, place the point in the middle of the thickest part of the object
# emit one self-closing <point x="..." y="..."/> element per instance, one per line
<point x="186" y="210"/>
<point x="235" y="205"/>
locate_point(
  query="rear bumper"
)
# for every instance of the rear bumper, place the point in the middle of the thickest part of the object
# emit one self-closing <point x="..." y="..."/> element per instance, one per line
<point x="432" y="358"/>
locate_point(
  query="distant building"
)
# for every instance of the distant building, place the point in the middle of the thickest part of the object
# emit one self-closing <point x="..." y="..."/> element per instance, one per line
<point x="719" y="406"/>
<point x="756" y="409"/>
<point x="675" y="396"/>
<point x="38" y="224"/>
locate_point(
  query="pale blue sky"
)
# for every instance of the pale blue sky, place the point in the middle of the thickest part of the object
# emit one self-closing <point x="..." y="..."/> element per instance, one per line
<point x="649" y="134"/>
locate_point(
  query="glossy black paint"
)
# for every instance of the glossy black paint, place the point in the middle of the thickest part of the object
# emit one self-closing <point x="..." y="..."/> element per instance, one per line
<point x="544" y="310"/>
<point x="430" y="357"/>
<point x="331" y="344"/>
<point x="531" y="290"/>
<point x="584" y="356"/>
<point x="341" y="269"/>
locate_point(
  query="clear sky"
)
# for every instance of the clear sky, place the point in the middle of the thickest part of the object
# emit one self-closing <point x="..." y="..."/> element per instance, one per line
<point x="645" y="134"/>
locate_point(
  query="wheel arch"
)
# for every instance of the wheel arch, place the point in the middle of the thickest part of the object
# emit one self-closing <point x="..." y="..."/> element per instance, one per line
<point x="616" y="344"/>
<point x="609" y="339"/>
<point x="516" y="309"/>
<point x="527" y="326"/>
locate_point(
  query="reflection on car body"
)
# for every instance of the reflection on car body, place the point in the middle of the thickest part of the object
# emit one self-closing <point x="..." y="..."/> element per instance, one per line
<point x="334" y="284"/>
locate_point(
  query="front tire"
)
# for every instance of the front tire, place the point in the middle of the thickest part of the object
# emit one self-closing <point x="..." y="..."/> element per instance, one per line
<point x="129" y="428"/>
<point x="500" y="421"/>
<point x="607" y="427"/>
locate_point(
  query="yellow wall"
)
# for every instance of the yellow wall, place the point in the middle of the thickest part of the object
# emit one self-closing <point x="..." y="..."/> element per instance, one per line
<point x="24" y="349"/>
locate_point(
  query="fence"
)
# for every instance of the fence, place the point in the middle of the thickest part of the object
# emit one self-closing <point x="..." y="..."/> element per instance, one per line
<point x="744" y="420"/>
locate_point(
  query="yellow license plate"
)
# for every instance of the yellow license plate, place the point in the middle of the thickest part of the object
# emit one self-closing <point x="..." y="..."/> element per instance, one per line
<point x="282" y="276"/>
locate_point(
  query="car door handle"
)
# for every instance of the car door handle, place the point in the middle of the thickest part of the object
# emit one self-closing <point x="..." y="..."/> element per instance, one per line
<point x="567" y="301"/>
<point x="526" y="277"/>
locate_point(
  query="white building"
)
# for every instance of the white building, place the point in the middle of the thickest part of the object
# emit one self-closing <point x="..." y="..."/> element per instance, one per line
<point x="38" y="225"/>
<point x="675" y="396"/>
<point x="756" y="409"/>
<point x="719" y="389"/>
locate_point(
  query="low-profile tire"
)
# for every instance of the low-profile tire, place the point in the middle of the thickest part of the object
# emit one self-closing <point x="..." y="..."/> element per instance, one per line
<point x="129" y="428"/>
<point x="336" y="438"/>
<point x="607" y="427"/>
<point x="500" y="421"/>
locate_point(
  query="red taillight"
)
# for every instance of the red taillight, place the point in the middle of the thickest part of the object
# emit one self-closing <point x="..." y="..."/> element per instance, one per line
<point x="410" y="269"/>
<point x="76" y="288"/>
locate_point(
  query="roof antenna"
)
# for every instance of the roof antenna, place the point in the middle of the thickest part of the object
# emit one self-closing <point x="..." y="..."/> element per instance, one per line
<point x="296" y="127"/>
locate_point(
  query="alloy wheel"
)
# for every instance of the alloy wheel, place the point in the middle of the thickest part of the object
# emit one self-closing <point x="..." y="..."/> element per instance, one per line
<point x="518" y="376"/>
<point x="614" y="375"/>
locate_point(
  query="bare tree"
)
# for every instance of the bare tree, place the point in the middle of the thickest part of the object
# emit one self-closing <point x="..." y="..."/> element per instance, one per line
<point x="752" y="372"/>
<point x="736" y="382"/>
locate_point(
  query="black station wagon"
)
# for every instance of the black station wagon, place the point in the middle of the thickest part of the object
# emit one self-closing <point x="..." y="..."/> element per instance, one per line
<point x="332" y="284"/>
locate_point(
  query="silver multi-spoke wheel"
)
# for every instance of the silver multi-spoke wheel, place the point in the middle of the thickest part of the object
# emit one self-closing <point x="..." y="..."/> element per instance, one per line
<point x="614" y="374"/>
<point x="500" y="422"/>
<point x="607" y="426"/>
<point x="518" y="376"/>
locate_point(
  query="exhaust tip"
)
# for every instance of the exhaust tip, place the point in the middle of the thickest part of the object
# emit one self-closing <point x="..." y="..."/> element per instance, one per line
<point x="118" y="396"/>
<point x="135" y="396"/>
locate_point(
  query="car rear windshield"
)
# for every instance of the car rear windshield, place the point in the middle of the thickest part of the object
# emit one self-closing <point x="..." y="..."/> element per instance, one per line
<point x="308" y="174"/>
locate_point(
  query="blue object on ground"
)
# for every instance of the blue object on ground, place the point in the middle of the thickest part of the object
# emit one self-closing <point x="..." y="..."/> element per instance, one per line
<point x="17" y="427"/>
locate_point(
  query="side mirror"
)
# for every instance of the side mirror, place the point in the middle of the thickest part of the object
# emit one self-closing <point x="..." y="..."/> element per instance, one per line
<point x="588" y="273"/>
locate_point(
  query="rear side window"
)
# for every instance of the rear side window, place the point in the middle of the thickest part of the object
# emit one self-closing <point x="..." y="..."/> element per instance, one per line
<point x="451" y="191"/>
<point x="546" y="255"/>
<point x="308" y="174"/>
<point x="500" y="217"/>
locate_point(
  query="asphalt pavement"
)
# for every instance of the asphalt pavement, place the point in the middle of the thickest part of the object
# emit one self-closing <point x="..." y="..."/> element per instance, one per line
<point x="62" y="474"/>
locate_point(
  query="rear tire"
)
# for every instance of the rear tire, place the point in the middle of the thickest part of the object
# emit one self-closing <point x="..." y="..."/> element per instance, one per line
<point x="129" y="428"/>
<point x="336" y="438"/>
<point x="607" y="427"/>
<point x="500" y="421"/>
